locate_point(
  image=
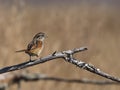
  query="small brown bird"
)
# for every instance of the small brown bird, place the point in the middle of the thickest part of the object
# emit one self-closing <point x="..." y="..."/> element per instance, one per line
<point x="35" y="47"/>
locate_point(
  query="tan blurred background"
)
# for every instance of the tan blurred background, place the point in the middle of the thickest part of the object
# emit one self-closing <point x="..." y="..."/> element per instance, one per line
<point x="96" y="26"/>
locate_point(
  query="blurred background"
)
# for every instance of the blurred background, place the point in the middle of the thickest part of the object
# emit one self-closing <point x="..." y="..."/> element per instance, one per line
<point x="69" y="24"/>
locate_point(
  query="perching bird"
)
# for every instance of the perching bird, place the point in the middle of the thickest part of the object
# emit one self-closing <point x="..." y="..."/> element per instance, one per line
<point x="35" y="47"/>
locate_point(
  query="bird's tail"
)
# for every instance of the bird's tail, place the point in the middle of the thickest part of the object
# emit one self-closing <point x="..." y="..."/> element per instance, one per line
<point x="21" y="50"/>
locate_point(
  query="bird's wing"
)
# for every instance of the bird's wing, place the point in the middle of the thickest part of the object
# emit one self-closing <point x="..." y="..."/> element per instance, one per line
<point x="31" y="45"/>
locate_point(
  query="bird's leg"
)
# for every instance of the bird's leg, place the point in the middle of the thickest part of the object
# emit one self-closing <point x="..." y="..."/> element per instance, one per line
<point x="30" y="58"/>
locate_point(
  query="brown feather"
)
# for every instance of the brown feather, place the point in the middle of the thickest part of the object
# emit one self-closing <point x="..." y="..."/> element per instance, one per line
<point x="21" y="50"/>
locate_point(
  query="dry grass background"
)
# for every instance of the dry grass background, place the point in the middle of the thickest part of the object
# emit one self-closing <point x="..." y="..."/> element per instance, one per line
<point x="97" y="27"/>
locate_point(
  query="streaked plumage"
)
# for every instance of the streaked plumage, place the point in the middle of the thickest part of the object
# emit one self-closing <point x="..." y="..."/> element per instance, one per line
<point x="35" y="47"/>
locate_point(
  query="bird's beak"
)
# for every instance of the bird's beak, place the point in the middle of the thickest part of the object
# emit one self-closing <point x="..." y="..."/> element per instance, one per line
<point x="46" y="36"/>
